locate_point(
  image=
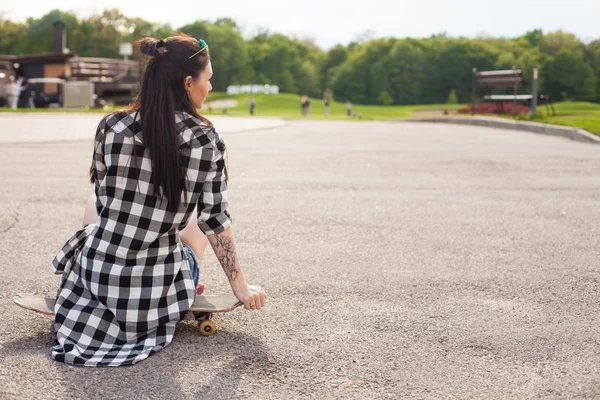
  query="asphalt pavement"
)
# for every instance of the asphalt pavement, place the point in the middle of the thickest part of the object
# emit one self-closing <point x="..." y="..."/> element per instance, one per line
<point x="421" y="261"/>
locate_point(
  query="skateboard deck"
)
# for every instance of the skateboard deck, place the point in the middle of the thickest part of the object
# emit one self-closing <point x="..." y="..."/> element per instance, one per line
<point x="203" y="307"/>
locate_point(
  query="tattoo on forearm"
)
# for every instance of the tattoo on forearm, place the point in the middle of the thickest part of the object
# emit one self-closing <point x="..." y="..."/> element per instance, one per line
<point x="224" y="248"/>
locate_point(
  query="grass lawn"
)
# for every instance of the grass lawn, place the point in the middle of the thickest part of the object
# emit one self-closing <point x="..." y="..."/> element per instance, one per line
<point x="287" y="106"/>
<point x="580" y="114"/>
<point x="583" y="115"/>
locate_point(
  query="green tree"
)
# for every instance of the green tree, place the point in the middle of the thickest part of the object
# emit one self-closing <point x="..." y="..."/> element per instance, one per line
<point x="568" y="76"/>
<point x="554" y="42"/>
<point x="11" y="36"/>
<point x="273" y="58"/>
<point x="350" y="81"/>
<point x="407" y="71"/>
<point x="228" y="51"/>
<point x="368" y="71"/>
<point x="199" y="30"/>
<point x="291" y="64"/>
<point x="385" y="98"/>
<point x="330" y="62"/>
<point x="592" y="58"/>
<point x="39" y="33"/>
<point x="104" y="33"/>
<point x="452" y="97"/>
<point x="365" y="74"/>
<point x="451" y="67"/>
<point x="535" y="37"/>
<point x="530" y="59"/>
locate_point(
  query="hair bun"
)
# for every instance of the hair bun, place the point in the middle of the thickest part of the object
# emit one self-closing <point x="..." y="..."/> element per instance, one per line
<point x="151" y="47"/>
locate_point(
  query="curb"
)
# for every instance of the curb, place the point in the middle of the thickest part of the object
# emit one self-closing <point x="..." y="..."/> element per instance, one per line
<point x="568" y="132"/>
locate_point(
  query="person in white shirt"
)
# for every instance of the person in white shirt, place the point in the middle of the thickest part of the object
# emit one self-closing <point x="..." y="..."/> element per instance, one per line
<point x="12" y="93"/>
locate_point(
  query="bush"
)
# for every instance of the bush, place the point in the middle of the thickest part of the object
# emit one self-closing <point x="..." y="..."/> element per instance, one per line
<point x="495" y="108"/>
<point x="385" y="98"/>
<point x="452" y="97"/>
<point x="529" y="116"/>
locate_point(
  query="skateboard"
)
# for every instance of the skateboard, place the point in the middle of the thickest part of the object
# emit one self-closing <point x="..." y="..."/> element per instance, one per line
<point x="203" y="307"/>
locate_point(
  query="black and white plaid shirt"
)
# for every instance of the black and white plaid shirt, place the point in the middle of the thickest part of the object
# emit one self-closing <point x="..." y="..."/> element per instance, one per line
<point x="125" y="280"/>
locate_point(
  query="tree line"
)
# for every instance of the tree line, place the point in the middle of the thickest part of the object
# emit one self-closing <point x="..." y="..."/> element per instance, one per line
<point x="387" y="71"/>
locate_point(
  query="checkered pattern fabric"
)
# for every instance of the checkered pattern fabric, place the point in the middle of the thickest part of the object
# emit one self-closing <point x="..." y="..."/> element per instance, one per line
<point x="126" y="281"/>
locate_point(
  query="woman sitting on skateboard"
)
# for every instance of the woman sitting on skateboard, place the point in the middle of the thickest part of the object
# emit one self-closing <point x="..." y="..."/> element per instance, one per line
<point x="127" y="278"/>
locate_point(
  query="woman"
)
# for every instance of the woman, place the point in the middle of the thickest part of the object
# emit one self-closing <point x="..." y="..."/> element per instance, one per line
<point x="127" y="279"/>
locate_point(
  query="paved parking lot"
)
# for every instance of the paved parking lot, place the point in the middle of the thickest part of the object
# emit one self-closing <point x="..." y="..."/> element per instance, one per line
<point x="401" y="261"/>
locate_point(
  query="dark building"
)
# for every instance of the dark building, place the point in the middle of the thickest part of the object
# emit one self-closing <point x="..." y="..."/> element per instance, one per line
<point x="111" y="77"/>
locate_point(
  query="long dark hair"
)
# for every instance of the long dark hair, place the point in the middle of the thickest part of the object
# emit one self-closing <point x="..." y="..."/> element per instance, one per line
<point x="162" y="93"/>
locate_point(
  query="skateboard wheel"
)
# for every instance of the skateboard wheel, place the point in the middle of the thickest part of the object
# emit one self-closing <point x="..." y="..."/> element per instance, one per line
<point x="207" y="328"/>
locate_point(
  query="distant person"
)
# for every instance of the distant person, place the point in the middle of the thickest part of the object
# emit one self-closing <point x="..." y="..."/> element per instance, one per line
<point x="326" y="103"/>
<point x="348" y="109"/>
<point x="25" y="97"/>
<point x="251" y="104"/>
<point x="305" y="104"/>
<point x="12" y="93"/>
<point x="303" y="101"/>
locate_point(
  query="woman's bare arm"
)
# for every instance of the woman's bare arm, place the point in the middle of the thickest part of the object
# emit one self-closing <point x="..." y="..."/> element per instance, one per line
<point x="223" y="245"/>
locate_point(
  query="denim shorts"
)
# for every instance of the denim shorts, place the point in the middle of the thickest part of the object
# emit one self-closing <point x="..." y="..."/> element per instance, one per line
<point x="193" y="261"/>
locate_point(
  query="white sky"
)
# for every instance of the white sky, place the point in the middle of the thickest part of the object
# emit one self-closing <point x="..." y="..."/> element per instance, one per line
<point x="334" y="21"/>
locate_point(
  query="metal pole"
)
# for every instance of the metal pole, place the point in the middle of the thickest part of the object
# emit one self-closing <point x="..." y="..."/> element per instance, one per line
<point x="514" y="111"/>
<point x="474" y="91"/>
<point x="534" y="91"/>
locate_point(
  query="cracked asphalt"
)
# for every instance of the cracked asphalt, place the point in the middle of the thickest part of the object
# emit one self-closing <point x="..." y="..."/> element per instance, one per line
<point x="401" y="260"/>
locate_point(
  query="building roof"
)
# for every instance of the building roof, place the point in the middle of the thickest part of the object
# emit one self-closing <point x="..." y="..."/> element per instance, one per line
<point x="43" y="58"/>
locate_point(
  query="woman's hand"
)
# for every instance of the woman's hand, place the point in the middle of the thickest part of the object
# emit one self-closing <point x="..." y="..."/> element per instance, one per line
<point x="252" y="296"/>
